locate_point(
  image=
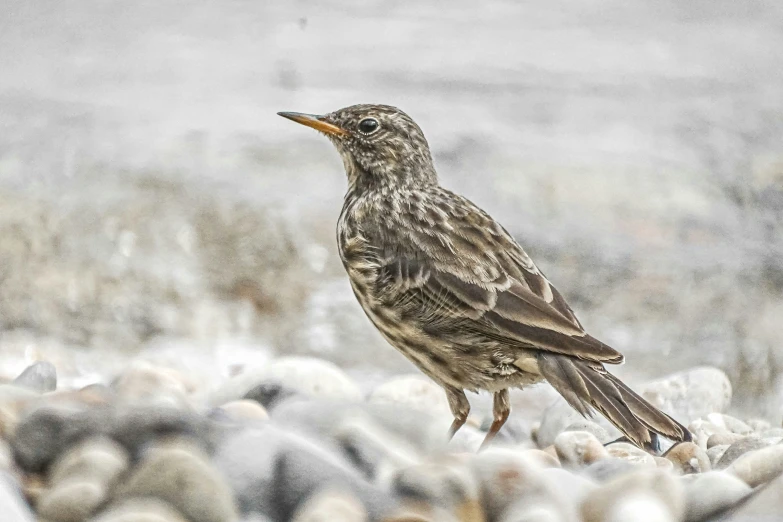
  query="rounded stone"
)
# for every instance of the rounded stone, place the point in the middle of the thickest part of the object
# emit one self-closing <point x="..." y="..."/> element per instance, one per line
<point x="591" y="427"/>
<point x="609" y="469"/>
<point x="632" y="454"/>
<point x="181" y="474"/>
<point x="314" y="377"/>
<point x="561" y="415"/>
<point x="758" y="425"/>
<point x="715" y="453"/>
<point x="636" y="496"/>
<point x="759" y="466"/>
<point x="146" y="509"/>
<point x="541" y="458"/>
<point x="413" y="391"/>
<point x="71" y="501"/>
<point x="729" y="423"/>
<point x="244" y="410"/>
<point x="145" y="384"/>
<point x="709" y="493"/>
<point x="448" y="484"/>
<point x="689" y="458"/>
<point x="328" y="504"/>
<point x="98" y="458"/>
<point x="692" y="394"/>
<point x="576" y="449"/>
<point x="13" y="507"/>
<point x="739" y="448"/>
<point x="664" y="464"/>
<point x="723" y="438"/>
<point x="40" y="376"/>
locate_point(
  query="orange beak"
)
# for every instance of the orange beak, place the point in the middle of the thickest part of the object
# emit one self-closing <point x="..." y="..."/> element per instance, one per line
<point x="311" y="120"/>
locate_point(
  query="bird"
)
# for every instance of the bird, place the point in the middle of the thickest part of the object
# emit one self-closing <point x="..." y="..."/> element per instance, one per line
<point x="455" y="293"/>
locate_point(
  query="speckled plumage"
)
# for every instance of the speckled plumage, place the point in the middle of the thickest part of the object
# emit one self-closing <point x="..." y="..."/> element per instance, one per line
<point x="454" y="292"/>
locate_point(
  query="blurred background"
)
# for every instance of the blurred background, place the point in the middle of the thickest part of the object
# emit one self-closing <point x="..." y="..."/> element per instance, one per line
<point x="153" y="206"/>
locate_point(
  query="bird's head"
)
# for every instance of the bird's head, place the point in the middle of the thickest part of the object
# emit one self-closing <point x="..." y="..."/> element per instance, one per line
<point x="380" y="145"/>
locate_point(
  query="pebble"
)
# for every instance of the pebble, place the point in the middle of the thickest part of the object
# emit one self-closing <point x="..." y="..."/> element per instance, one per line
<point x="688" y="458"/>
<point x="702" y="430"/>
<point x="146" y="509"/>
<point x="608" y="469"/>
<point x="646" y="494"/>
<point x="576" y="449"/>
<point x="145" y="384"/>
<point x="561" y="415"/>
<point x="40" y="377"/>
<point x="739" y="448"/>
<point x="72" y="501"/>
<point x="664" y="464"/>
<point x="591" y="427"/>
<point x="269" y="393"/>
<point x="541" y="457"/>
<point x="314" y="377"/>
<point x="448" y="484"/>
<point x="327" y="505"/>
<point x="692" y="394"/>
<point x="764" y="505"/>
<point x="709" y="493"/>
<point x="715" y="453"/>
<point x="243" y="410"/>
<point x="255" y="461"/>
<point x="180" y="473"/>
<point x="729" y="423"/>
<point x="98" y="458"/>
<point x="758" y="425"/>
<point x="632" y="454"/>
<point x="759" y="466"/>
<point x="507" y="476"/>
<point x="13" y="400"/>
<point x="723" y="439"/>
<point x="12" y="506"/>
<point x="413" y="391"/>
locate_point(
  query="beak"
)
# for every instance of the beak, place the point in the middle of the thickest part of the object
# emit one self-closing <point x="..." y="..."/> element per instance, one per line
<point x="314" y="121"/>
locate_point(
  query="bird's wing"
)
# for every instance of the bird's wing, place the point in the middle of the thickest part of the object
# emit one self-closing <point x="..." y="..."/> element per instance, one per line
<point x="460" y="269"/>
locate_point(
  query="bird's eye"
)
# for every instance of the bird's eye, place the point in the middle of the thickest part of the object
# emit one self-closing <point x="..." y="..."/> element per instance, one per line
<point x="368" y="125"/>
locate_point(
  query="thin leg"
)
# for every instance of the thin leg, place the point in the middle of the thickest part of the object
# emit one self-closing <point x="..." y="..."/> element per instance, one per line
<point x="460" y="407"/>
<point x="500" y="410"/>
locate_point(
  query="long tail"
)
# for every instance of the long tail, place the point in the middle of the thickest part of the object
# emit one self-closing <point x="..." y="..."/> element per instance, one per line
<point x="586" y="385"/>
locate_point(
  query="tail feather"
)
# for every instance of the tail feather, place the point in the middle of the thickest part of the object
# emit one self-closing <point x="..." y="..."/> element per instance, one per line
<point x="587" y="385"/>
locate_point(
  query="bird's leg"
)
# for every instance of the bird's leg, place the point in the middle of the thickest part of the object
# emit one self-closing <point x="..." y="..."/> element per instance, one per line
<point x="500" y="410"/>
<point x="460" y="407"/>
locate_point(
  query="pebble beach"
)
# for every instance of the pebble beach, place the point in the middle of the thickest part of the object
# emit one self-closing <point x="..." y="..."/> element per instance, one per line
<point x="297" y="439"/>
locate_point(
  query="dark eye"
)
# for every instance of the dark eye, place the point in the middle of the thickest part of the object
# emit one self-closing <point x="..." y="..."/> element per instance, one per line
<point x="368" y="125"/>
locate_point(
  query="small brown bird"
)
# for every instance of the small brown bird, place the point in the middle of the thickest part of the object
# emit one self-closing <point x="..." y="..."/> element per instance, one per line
<point x="453" y="291"/>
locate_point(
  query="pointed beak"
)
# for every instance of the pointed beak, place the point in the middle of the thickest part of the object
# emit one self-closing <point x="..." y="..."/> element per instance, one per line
<point x="314" y="121"/>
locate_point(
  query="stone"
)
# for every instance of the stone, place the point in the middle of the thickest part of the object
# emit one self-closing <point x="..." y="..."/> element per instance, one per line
<point x="591" y="427"/>
<point x="415" y="392"/>
<point x="181" y="474"/>
<point x="6" y="459"/>
<point x="506" y="476"/>
<point x="632" y="454"/>
<point x="759" y="466"/>
<point x="327" y="504"/>
<point x="272" y="471"/>
<point x="646" y="494"/>
<point x="561" y="415"/>
<point x="608" y="469"/>
<point x="578" y="486"/>
<point x="13" y="401"/>
<point x="688" y="458"/>
<point x="97" y="458"/>
<point x="72" y="500"/>
<point x="664" y="464"/>
<point x="270" y="393"/>
<point x="576" y="449"/>
<point x="541" y="457"/>
<point x="12" y="504"/>
<point x="526" y="511"/>
<point x="145" y="384"/>
<point x="314" y="377"/>
<point x="739" y="448"/>
<point x="758" y="425"/>
<point x="40" y="376"/>
<point x="136" y="426"/>
<point x="692" y="394"/>
<point x="715" y="453"/>
<point x="771" y="433"/>
<point x="244" y="410"/>
<point x="764" y="505"/>
<point x="723" y="439"/>
<point x="729" y="423"/>
<point x="147" y="509"/>
<point x="447" y="484"/>
<point x="702" y="430"/>
<point x="710" y="493"/>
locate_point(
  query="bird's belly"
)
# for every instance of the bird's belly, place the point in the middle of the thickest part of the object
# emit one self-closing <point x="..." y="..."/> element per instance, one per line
<point x="472" y="367"/>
